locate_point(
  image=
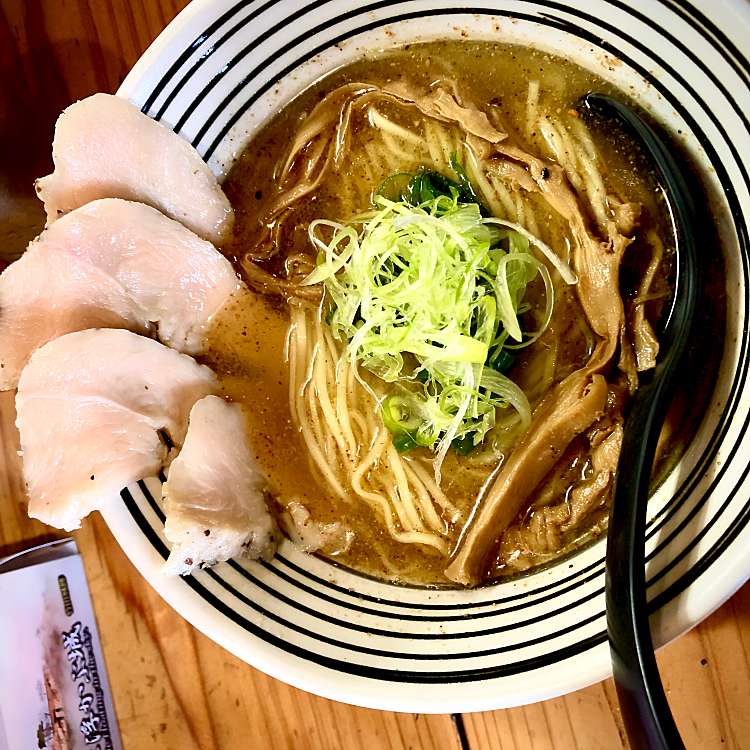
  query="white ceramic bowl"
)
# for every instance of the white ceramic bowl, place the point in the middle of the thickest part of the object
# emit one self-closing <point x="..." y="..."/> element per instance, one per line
<point x="219" y="71"/>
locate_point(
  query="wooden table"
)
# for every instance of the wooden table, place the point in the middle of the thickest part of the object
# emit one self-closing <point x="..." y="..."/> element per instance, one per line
<point x="173" y="687"/>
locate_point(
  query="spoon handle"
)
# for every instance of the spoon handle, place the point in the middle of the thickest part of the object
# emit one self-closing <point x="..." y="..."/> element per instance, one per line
<point x="647" y="716"/>
<point x="644" y="706"/>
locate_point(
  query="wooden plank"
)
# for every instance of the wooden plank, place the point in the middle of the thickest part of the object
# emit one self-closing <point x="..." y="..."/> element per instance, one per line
<point x="706" y="675"/>
<point x="173" y="687"/>
<point x="586" y="719"/>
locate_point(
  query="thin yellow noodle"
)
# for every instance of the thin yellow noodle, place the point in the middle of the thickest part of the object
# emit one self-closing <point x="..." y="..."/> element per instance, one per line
<point x="394" y="148"/>
<point x="345" y="193"/>
<point x="327" y="408"/>
<point x="595" y="190"/>
<point x="423" y="537"/>
<point x="379" y="501"/>
<point x="332" y="354"/>
<point x="291" y="357"/>
<point x="585" y="164"/>
<point x="382" y="157"/>
<point x="549" y="137"/>
<point x="341" y="399"/>
<point x="580" y="167"/>
<point x="520" y="211"/>
<point x="372" y="422"/>
<point x="351" y="384"/>
<point x="569" y="144"/>
<point x="414" y="480"/>
<point x="531" y="223"/>
<point x="428" y="479"/>
<point x="366" y="165"/>
<point x="360" y="436"/>
<point x="436" y="523"/>
<point x="597" y="194"/>
<point x="433" y="146"/>
<point x="312" y="434"/>
<point x="564" y="156"/>
<point x="408" y="522"/>
<point x="311" y="421"/>
<point x="482" y="458"/>
<point x="532" y="108"/>
<point x="509" y="208"/>
<point x="323" y="332"/>
<point x="318" y="460"/>
<point x="486" y="191"/>
<point x="380" y="121"/>
<point x="391" y="570"/>
<point x="584" y="137"/>
<point x="580" y="163"/>
<point x="308" y="370"/>
<point x="296" y="384"/>
<point x="401" y="488"/>
<point x="361" y="425"/>
<point x="311" y="402"/>
<point x="343" y="412"/>
<point x="331" y="446"/>
<point x="447" y="145"/>
<point x="377" y="447"/>
<point x="574" y="149"/>
<point x="296" y="346"/>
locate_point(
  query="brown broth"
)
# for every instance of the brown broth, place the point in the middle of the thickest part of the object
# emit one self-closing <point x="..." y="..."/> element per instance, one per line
<point x="247" y="340"/>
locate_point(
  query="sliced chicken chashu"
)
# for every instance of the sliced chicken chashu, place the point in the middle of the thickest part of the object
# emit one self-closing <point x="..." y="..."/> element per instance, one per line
<point x="214" y="499"/>
<point x="90" y="407"/>
<point x="47" y="293"/>
<point x="116" y="264"/>
<point x="105" y="147"/>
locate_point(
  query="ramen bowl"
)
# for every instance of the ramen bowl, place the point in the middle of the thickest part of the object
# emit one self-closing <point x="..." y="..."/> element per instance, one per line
<point x="218" y="73"/>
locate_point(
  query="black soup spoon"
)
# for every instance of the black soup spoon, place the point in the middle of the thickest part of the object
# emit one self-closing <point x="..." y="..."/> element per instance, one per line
<point x="646" y="713"/>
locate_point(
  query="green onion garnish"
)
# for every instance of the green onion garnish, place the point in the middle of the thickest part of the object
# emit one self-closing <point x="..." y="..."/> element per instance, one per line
<point x="428" y="297"/>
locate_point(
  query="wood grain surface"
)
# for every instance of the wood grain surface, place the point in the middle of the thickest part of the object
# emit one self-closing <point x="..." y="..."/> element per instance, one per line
<point x="173" y="687"/>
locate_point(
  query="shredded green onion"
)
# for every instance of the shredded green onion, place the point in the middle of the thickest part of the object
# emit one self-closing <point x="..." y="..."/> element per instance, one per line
<point x="427" y="296"/>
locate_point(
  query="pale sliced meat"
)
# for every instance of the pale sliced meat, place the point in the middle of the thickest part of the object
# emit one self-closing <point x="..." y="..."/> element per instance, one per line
<point x="46" y="294"/>
<point x="90" y="407"/>
<point x="115" y="264"/>
<point x="105" y="147"/>
<point x="214" y="499"/>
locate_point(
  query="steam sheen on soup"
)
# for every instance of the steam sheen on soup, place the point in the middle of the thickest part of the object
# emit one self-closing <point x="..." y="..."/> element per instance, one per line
<point x="455" y="278"/>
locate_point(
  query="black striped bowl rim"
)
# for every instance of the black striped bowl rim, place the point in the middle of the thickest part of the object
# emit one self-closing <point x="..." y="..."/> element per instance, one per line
<point x="218" y="72"/>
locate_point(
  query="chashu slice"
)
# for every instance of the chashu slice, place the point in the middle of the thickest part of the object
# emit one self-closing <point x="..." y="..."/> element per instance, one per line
<point x="114" y="264"/>
<point x="214" y="499"/>
<point x="90" y="408"/>
<point x="105" y="147"/>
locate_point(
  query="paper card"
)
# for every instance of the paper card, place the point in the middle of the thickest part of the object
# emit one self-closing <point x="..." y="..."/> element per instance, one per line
<point x="54" y="693"/>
